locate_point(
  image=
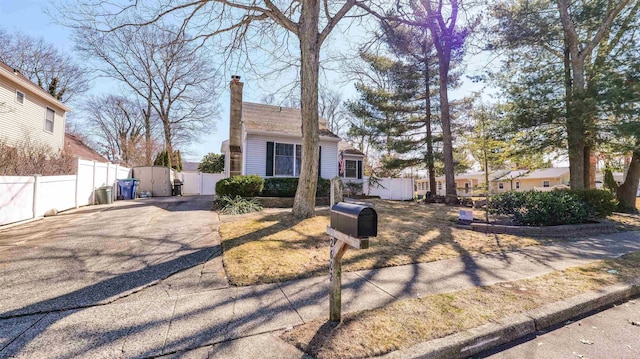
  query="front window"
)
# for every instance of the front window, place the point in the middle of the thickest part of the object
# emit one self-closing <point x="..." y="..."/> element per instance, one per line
<point x="287" y="159"/>
<point x="350" y="169"/>
<point x="439" y="186"/>
<point x="517" y="185"/>
<point x="501" y="185"/>
<point x="546" y="184"/>
<point x="50" y="118"/>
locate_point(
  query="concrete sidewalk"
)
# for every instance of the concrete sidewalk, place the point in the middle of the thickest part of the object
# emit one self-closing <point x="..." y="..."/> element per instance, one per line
<point x="179" y="317"/>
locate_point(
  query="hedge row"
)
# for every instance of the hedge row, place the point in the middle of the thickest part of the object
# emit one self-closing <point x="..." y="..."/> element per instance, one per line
<point x="253" y="185"/>
<point x="533" y="208"/>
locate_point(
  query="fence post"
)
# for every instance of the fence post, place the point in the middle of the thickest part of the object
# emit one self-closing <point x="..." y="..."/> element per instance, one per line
<point x="34" y="209"/>
<point x="78" y="183"/>
<point x="93" y="185"/>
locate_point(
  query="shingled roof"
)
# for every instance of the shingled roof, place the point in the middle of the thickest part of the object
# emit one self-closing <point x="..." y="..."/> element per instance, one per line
<point x="279" y="120"/>
<point x="348" y="149"/>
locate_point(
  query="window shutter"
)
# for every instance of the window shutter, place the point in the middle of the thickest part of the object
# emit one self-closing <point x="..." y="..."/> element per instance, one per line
<point x="320" y="162"/>
<point x="359" y="169"/>
<point x="269" y="171"/>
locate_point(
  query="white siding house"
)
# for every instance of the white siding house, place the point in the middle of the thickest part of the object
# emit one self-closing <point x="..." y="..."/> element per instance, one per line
<point x="27" y="112"/>
<point x="266" y="140"/>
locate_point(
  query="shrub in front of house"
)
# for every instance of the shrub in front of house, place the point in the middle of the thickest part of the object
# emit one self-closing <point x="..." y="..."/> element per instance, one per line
<point x="236" y="205"/>
<point x="602" y="201"/>
<point x="243" y="186"/>
<point x="533" y="208"/>
<point x="287" y="187"/>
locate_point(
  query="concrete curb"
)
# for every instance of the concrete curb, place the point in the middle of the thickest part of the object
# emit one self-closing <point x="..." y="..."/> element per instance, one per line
<point x="505" y="330"/>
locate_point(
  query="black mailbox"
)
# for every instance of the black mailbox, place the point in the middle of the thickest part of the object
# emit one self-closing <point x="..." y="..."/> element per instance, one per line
<point x="354" y="220"/>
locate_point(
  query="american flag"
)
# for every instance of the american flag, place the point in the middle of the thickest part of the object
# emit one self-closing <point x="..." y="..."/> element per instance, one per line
<point x="341" y="162"/>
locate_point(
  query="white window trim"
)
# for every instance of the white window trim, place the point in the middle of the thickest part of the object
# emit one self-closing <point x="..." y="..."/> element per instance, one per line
<point x="53" y="123"/>
<point x="344" y="175"/>
<point x="500" y="185"/>
<point x="294" y="159"/>
<point x="548" y="184"/>
<point x="23" y="97"/>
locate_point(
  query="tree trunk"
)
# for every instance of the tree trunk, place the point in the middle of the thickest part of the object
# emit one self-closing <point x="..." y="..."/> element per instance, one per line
<point x="429" y="139"/>
<point x="447" y="147"/>
<point x="627" y="191"/>
<point x="304" y="202"/>
<point x="167" y="140"/>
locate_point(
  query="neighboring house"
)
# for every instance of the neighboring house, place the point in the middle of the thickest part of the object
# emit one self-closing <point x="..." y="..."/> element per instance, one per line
<point x="544" y="179"/>
<point x="509" y="181"/>
<point x="74" y="146"/>
<point x="266" y="140"/>
<point x="190" y="166"/>
<point x="29" y="112"/>
<point x="467" y="184"/>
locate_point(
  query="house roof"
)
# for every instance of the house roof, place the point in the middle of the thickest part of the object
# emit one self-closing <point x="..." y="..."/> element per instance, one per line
<point x="509" y="175"/>
<point x="469" y="175"/>
<point x="547" y="173"/>
<point x="190" y="166"/>
<point x="74" y="145"/>
<point x="15" y="75"/>
<point x="279" y="120"/>
<point x="348" y="149"/>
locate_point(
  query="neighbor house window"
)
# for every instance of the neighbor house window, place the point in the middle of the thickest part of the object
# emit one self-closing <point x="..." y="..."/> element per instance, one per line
<point x="501" y="185"/>
<point x="19" y="97"/>
<point x="517" y="185"/>
<point x="546" y="184"/>
<point x="439" y="186"/>
<point x="49" y="119"/>
<point x="351" y="169"/>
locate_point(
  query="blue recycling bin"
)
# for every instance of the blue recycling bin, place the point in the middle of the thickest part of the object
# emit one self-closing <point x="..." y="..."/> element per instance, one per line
<point x="127" y="188"/>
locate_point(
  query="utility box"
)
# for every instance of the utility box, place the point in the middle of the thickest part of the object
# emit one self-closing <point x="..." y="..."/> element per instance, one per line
<point x="355" y="220"/>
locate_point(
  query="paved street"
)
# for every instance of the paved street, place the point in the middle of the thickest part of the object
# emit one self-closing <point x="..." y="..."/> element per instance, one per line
<point x="608" y="334"/>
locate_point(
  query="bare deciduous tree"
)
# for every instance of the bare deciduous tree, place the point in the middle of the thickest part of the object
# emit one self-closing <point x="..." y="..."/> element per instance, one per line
<point x="117" y="123"/>
<point x="172" y="76"/>
<point x="43" y="64"/>
<point x="309" y="21"/>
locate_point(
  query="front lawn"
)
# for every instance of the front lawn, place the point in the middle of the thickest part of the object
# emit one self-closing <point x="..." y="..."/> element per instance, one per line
<point x="272" y="246"/>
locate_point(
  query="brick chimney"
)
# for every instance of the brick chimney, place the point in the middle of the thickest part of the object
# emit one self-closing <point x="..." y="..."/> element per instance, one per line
<point x="235" y="127"/>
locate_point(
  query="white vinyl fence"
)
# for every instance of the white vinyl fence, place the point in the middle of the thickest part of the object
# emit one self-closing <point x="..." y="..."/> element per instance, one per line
<point x="400" y="189"/>
<point x="200" y="183"/>
<point x="27" y="197"/>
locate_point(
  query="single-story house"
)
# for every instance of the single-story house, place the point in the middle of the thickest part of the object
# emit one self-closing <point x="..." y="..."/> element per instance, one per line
<point x="266" y="140"/>
<point x="544" y="179"/>
<point x="509" y="181"/>
<point x="29" y="112"/>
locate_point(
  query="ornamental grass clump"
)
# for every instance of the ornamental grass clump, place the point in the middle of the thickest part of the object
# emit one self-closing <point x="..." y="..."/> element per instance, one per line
<point x="236" y="205"/>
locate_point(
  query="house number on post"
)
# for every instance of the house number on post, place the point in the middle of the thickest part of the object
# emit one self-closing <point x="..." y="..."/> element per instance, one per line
<point x="351" y="226"/>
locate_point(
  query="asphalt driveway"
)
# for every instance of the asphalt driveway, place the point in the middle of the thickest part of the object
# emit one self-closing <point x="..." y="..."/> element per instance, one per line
<point x="158" y="247"/>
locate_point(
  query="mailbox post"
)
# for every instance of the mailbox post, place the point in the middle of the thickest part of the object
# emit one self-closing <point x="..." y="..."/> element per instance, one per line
<point x="351" y="226"/>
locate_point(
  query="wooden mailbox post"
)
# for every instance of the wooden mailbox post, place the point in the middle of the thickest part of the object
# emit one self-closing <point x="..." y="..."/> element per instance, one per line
<point x="351" y="226"/>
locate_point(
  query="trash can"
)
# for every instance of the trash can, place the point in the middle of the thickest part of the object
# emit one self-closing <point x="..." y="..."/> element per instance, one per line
<point x="127" y="188"/>
<point x="103" y="195"/>
<point x="177" y="187"/>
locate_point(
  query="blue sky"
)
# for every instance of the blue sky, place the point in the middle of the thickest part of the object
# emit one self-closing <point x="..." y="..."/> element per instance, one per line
<point x="28" y="16"/>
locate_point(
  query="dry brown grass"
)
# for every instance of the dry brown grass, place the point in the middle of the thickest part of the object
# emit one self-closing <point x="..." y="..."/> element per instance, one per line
<point x="408" y="322"/>
<point x="273" y="246"/>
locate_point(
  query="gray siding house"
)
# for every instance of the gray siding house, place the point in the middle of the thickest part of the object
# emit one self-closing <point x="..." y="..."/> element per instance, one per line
<point x="266" y="140"/>
<point x="27" y="112"/>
